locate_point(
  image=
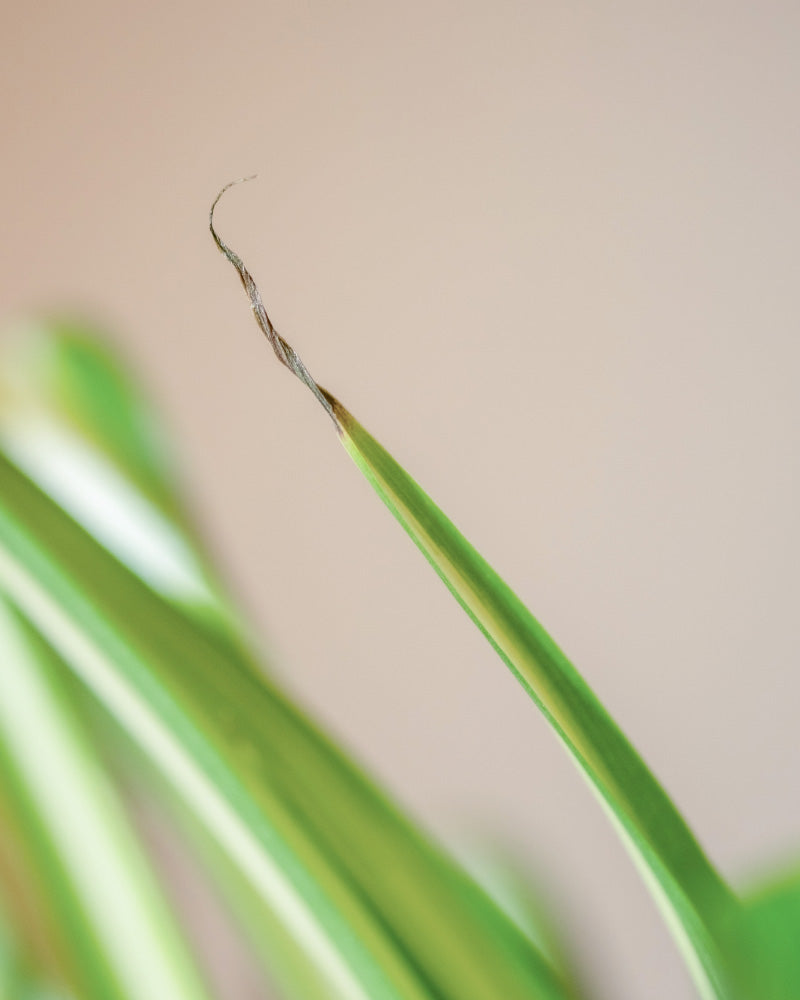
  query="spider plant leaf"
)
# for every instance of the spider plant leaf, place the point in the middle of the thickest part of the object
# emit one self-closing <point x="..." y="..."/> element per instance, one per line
<point x="366" y="833"/>
<point x="510" y="881"/>
<point x="61" y="371"/>
<point x="109" y="933"/>
<point x="76" y="422"/>
<point x="66" y="391"/>
<point x="18" y="978"/>
<point x="696" y="901"/>
<point x="765" y="944"/>
<point x="381" y="913"/>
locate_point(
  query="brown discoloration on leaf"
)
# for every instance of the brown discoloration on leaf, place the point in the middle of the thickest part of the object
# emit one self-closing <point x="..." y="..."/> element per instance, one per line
<point x="284" y="352"/>
<point x="341" y="415"/>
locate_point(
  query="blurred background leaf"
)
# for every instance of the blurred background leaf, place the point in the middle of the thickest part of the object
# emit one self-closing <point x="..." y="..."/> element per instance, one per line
<point x="370" y="903"/>
<point x="77" y="881"/>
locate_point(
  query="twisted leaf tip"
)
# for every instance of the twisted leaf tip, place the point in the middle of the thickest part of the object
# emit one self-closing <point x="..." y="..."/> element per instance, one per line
<point x="285" y="353"/>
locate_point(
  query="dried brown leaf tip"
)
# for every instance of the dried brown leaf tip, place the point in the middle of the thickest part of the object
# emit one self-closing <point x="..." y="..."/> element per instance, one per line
<point x="285" y="353"/>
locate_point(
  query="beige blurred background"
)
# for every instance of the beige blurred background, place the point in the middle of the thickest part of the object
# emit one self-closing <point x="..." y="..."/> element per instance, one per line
<point x="548" y="253"/>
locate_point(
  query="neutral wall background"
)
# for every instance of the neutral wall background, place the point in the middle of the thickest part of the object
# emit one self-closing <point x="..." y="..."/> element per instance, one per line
<point x="548" y="253"/>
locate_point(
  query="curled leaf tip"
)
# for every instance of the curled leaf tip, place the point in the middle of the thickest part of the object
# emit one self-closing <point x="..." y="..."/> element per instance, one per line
<point x="284" y="352"/>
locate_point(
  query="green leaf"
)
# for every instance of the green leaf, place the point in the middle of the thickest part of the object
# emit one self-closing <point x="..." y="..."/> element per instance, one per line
<point x="651" y="825"/>
<point x="696" y="901"/>
<point x="103" y="925"/>
<point x="78" y="425"/>
<point x="60" y="371"/>
<point x="372" y="904"/>
<point x="765" y="944"/>
<point x="429" y="903"/>
<point x="18" y="979"/>
<point x="510" y="882"/>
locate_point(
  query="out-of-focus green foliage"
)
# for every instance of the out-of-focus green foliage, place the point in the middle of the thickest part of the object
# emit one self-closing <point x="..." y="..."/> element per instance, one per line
<point x="369" y="903"/>
<point x="82" y="882"/>
<point x="104" y="580"/>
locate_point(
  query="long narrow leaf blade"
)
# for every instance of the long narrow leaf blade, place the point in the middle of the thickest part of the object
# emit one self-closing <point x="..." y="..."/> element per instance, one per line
<point x="765" y="944"/>
<point x="109" y="931"/>
<point x="265" y="784"/>
<point x="432" y="908"/>
<point x="71" y="415"/>
<point x="697" y="902"/>
<point x="652" y="826"/>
